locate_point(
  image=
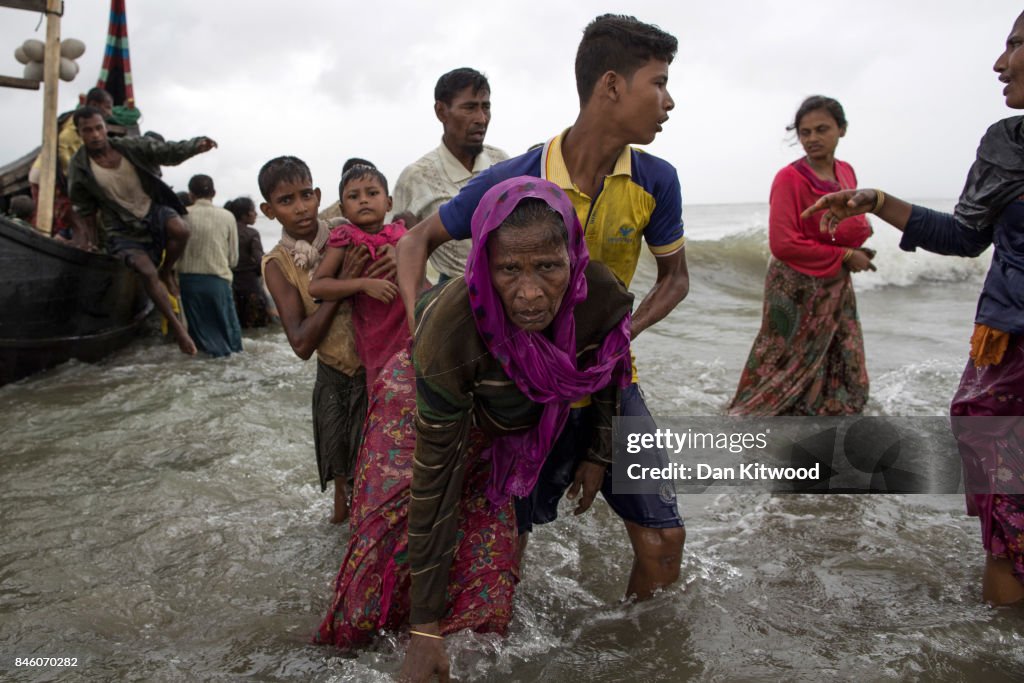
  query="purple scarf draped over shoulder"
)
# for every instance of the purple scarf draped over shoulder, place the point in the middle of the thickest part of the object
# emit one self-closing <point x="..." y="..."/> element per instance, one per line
<point x="542" y="364"/>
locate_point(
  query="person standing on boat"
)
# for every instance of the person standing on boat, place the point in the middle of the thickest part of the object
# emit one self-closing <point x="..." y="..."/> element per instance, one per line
<point x="623" y="197"/>
<point x="114" y="186"/>
<point x="204" y="272"/>
<point x="462" y="103"/>
<point x="68" y="142"/>
<point x="21" y="209"/>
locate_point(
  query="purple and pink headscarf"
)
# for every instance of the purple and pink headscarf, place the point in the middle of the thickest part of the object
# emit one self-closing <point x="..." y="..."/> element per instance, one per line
<point x="542" y="364"/>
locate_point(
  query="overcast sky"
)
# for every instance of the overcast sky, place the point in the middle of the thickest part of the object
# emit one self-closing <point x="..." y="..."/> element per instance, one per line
<point x="325" y="80"/>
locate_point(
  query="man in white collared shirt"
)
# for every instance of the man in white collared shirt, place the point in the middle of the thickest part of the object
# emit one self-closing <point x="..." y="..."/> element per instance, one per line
<point x="462" y="103"/>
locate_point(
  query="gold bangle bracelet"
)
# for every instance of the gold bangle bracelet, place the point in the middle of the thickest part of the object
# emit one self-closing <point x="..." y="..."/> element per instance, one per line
<point x="425" y="635"/>
<point x="879" y="201"/>
<point x="847" y="255"/>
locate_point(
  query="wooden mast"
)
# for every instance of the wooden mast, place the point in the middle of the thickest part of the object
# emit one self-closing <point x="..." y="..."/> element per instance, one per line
<point x="51" y="75"/>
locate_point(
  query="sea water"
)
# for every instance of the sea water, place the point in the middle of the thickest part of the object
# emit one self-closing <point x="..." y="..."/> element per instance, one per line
<point x="160" y="517"/>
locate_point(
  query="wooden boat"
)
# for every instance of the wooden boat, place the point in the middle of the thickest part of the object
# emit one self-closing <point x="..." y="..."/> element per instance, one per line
<point x="14" y="176"/>
<point x="58" y="302"/>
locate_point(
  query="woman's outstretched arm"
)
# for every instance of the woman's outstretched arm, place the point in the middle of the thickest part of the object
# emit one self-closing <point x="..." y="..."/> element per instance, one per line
<point x="931" y="230"/>
<point x="846" y="203"/>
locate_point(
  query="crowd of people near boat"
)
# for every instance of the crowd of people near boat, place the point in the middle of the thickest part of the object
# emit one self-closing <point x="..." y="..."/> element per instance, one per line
<point x="453" y="416"/>
<point x="200" y="264"/>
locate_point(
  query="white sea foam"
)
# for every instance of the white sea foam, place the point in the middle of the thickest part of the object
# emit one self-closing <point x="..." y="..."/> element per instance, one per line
<point x="746" y="254"/>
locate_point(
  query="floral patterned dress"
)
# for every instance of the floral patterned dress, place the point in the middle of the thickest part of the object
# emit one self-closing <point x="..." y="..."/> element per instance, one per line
<point x="808" y="357"/>
<point x="372" y="587"/>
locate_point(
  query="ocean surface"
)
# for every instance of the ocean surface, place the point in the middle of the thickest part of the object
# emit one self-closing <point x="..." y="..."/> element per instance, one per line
<point x="161" y="518"/>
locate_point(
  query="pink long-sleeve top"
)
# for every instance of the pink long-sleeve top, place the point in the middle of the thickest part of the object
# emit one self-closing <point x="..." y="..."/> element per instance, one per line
<point x="799" y="242"/>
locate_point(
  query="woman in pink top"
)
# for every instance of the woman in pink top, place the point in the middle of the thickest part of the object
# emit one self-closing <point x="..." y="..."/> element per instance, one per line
<point x="808" y="358"/>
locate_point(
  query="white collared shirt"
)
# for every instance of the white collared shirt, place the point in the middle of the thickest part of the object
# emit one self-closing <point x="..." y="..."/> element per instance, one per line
<point x="428" y="183"/>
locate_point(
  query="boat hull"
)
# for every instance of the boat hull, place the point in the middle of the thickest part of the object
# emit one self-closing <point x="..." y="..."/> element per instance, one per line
<point x="58" y="302"/>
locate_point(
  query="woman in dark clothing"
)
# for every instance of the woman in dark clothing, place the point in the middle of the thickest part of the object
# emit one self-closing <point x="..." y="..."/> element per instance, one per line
<point x="458" y="427"/>
<point x="250" y="299"/>
<point x="990" y="212"/>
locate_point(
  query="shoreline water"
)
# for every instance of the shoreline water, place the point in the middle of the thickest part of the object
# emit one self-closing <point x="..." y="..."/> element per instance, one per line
<point x="162" y="521"/>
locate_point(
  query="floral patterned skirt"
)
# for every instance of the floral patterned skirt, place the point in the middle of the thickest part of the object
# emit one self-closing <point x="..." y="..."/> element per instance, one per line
<point x="372" y="587"/>
<point x="995" y="391"/>
<point x="808" y="358"/>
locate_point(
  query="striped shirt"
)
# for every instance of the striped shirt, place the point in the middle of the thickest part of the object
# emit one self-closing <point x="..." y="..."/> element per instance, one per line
<point x="212" y="248"/>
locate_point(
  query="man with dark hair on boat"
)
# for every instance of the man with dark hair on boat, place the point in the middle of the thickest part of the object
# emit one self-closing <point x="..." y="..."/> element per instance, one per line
<point x="622" y="197"/>
<point x="68" y="142"/>
<point x="21" y="209"/>
<point x="117" y="194"/>
<point x="462" y="103"/>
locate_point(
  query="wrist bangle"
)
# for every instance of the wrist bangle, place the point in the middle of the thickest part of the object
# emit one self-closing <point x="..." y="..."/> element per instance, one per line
<point x="425" y="635"/>
<point x="847" y="255"/>
<point x="879" y="201"/>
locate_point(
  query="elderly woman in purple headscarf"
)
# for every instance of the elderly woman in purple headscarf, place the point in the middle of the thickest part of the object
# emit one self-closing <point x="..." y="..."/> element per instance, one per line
<point x="456" y="430"/>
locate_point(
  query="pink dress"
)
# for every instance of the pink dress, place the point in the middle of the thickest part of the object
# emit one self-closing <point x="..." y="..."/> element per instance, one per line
<point x="381" y="328"/>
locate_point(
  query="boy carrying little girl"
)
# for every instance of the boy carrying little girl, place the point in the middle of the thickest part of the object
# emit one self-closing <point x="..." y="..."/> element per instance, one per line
<point x="322" y="325"/>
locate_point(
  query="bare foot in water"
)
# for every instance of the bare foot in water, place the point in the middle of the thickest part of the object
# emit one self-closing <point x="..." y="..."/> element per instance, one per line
<point x="186" y="345"/>
<point x="340" y="503"/>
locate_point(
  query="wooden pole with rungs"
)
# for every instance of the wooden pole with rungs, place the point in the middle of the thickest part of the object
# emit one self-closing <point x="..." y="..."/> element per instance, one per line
<point x="51" y="75"/>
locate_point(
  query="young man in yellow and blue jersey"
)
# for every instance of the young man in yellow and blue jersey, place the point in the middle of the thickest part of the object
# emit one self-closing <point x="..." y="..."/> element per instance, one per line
<point x="623" y="197"/>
